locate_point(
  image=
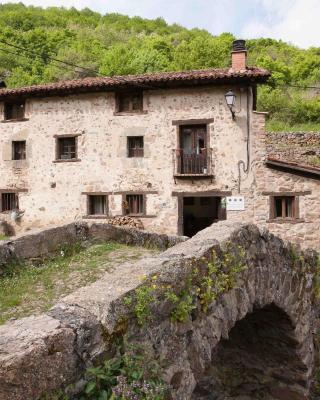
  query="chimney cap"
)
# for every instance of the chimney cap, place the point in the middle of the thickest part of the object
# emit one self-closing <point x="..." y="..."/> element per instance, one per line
<point x="239" y="45"/>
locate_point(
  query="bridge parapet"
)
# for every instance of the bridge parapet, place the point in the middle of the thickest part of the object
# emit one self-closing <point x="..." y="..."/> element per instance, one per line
<point x="231" y="298"/>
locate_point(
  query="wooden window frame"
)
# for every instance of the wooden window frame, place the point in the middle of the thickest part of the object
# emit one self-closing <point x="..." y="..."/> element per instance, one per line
<point x="132" y="152"/>
<point x="14" y="152"/>
<point x="295" y="208"/>
<point x="144" y="204"/>
<point x="14" y="103"/>
<point x="106" y="205"/>
<point x="57" y="148"/>
<point x="16" y="200"/>
<point x="118" y="100"/>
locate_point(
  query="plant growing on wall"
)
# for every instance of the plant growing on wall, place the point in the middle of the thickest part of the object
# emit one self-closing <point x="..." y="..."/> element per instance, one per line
<point x="129" y="375"/>
<point x="208" y="279"/>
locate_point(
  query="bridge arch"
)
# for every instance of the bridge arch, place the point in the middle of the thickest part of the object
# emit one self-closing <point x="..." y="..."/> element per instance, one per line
<point x="259" y="360"/>
<point x="256" y="341"/>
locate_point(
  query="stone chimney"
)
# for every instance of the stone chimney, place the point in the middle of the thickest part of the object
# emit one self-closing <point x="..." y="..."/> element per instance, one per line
<point x="239" y="55"/>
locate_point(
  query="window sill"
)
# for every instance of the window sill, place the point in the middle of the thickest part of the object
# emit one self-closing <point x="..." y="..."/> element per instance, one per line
<point x="285" y="221"/>
<point x="67" y="160"/>
<point x="123" y="113"/>
<point x="98" y="216"/>
<point x="137" y="216"/>
<point x="6" y="121"/>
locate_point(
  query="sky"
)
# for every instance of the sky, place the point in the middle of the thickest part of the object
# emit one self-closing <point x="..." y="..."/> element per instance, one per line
<point x="294" y="21"/>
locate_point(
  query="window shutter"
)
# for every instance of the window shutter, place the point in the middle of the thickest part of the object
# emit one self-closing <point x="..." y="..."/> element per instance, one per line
<point x="272" y="207"/>
<point x="296" y="210"/>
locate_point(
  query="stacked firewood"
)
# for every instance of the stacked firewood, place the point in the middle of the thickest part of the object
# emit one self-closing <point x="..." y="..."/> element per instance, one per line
<point x="126" y="221"/>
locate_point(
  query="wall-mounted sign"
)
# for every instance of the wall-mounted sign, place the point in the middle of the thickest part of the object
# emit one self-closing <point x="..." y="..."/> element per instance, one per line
<point x="235" y="203"/>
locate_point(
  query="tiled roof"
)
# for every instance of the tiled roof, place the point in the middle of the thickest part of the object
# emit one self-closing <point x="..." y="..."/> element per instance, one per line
<point x="146" y="81"/>
<point x="295" y="148"/>
<point x="294" y="166"/>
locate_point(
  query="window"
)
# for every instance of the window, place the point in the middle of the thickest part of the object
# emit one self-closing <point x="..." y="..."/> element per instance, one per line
<point x="130" y="102"/>
<point x="13" y="111"/>
<point x="97" y="205"/>
<point x="19" y="150"/>
<point x="9" y="202"/>
<point x="134" y="204"/>
<point x="284" y="207"/>
<point x="135" y="146"/>
<point x="66" y="148"/>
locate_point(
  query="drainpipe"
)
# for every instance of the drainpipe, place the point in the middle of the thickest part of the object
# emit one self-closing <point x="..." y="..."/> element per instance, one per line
<point x="245" y="167"/>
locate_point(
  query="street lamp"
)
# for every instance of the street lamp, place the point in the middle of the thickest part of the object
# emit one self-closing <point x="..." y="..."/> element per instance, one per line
<point x="231" y="102"/>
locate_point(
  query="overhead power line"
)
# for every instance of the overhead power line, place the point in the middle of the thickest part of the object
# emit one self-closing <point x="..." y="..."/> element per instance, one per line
<point x="71" y="65"/>
<point x="300" y="86"/>
<point x="34" y="53"/>
<point x="23" y="65"/>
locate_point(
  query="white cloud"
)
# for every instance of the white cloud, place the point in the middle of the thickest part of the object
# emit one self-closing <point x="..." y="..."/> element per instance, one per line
<point x="295" y="21"/>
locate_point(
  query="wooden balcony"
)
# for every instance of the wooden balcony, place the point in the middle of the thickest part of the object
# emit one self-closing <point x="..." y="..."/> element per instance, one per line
<point x="193" y="165"/>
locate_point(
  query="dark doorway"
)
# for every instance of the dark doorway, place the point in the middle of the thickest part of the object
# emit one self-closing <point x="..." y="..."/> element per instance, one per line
<point x="201" y="212"/>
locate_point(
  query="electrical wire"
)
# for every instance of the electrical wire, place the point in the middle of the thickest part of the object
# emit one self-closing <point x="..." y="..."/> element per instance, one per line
<point x="34" y="53"/>
<point x="37" y="54"/>
<point x="23" y="65"/>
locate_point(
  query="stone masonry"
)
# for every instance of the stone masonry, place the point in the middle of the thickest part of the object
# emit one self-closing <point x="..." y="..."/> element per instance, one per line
<point x="53" y="192"/>
<point x="41" y="354"/>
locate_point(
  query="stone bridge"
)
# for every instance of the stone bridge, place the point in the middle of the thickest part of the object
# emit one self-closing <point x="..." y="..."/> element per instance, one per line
<point x="254" y="340"/>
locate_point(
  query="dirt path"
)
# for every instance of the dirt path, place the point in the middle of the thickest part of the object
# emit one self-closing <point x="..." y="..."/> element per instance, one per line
<point x="32" y="289"/>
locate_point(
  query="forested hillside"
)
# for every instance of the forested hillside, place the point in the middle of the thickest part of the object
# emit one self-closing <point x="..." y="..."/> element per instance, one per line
<point x="116" y="44"/>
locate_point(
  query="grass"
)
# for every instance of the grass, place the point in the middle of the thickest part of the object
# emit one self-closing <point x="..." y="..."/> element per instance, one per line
<point x="315" y="161"/>
<point x="31" y="288"/>
<point x="281" y="126"/>
<point x="4" y="237"/>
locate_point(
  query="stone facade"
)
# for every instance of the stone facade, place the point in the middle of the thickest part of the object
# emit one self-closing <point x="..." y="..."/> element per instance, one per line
<point x="52" y="192"/>
<point x="262" y="326"/>
<point x="302" y="147"/>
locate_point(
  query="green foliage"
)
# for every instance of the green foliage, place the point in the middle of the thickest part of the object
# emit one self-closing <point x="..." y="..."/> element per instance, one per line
<point x="317" y="292"/>
<point x="207" y="282"/>
<point x="114" y="44"/>
<point x="183" y="305"/>
<point x="203" y="285"/>
<point x="129" y="375"/>
<point x="144" y="297"/>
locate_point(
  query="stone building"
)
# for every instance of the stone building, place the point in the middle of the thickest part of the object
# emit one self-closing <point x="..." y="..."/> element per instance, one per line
<point x="178" y="150"/>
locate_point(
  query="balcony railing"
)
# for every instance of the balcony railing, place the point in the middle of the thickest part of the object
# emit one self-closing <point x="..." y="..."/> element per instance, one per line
<point x="193" y="164"/>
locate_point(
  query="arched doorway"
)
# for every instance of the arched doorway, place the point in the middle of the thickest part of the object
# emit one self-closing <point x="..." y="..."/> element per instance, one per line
<point x="259" y="361"/>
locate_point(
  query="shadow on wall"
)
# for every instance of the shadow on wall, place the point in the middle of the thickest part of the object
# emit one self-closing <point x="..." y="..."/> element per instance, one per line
<point x="258" y="361"/>
<point x="6" y="229"/>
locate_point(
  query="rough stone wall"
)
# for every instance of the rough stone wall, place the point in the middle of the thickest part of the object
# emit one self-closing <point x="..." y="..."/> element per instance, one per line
<point x="305" y="231"/>
<point x="54" y="190"/>
<point x="301" y="147"/>
<point x="47" y="241"/>
<point x="40" y="354"/>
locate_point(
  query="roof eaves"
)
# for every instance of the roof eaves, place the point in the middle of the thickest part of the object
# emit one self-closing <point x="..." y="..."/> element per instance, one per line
<point x="147" y="81"/>
<point x="294" y="167"/>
